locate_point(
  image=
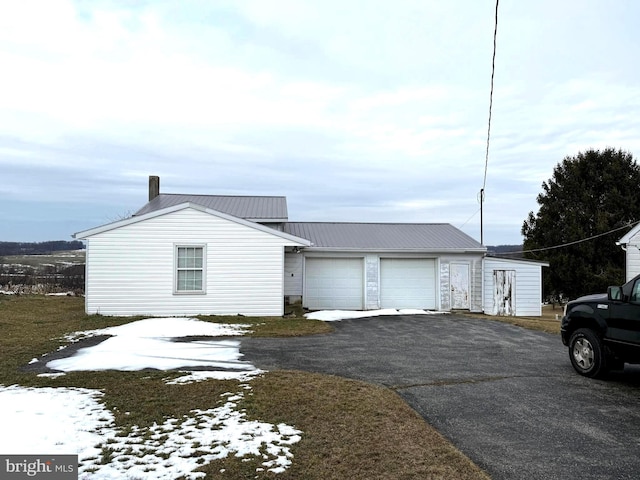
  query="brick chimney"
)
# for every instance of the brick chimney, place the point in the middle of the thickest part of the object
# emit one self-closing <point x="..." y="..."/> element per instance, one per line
<point x="154" y="187"/>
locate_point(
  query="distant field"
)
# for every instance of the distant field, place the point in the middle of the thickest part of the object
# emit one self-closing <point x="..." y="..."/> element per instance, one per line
<point x="46" y="273"/>
<point x="63" y="258"/>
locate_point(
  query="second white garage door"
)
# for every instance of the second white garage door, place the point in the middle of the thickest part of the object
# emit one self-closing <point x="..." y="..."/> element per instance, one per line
<point x="334" y="283"/>
<point x="408" y="283"/>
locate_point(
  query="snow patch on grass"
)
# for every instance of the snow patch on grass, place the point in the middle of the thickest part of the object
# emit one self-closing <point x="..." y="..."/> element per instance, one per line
<point x="73" y="421"/>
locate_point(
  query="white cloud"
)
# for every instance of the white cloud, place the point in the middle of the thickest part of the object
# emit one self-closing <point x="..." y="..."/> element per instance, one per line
<point x="330" y="95"/>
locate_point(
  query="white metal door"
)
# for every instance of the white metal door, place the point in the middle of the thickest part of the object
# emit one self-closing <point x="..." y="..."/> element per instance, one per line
<point x="408" y="283"/>
<point x="334" y="283"/>
<point x="459" y="285"/>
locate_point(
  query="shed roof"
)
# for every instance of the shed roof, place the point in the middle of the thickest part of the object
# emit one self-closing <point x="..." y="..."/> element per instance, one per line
<point x="384" y="236"/>
<point x="255" y="208"/>
<point x="507" y="259"/>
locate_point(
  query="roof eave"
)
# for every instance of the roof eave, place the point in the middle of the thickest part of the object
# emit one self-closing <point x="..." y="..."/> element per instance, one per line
<point x="518" y="260"/>
<point x="267" y="220"/>
<point x="127" y="221"/>
<point x="297" y="241"/>
<point x="628" y="236"/>
<point x="394" y="250"/>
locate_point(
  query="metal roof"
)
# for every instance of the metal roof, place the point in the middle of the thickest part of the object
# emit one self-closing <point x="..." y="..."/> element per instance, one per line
<point x="246" y="207"/>
<point x="384" y="236"/>
<point x="507" y="258"/>
<point x="293" y="240"/>
<point x="329" y="235"/>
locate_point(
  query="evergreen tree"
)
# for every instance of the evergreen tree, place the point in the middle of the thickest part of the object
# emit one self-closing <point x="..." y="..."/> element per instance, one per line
<point x="589" y="194"/>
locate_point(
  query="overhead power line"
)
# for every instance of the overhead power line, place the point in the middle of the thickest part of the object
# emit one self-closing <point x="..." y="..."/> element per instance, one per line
<point x="486" y="157"/>
<point x="493" y="70"/>
<point x="568" y="244"/>
<point x="469" y="219"/>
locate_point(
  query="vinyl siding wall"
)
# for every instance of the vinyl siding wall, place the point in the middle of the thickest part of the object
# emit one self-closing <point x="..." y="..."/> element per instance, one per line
<point x="633" y="257"/>
<point x="130" y="270"/>
<point x="528" y="286"/>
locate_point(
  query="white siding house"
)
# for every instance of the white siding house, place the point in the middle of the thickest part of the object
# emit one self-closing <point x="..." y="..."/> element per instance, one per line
<point x="630" y="243"/>
<point x="512" y="287"/>
<point x="133" y="265"/>
<point x="214" y="254"/>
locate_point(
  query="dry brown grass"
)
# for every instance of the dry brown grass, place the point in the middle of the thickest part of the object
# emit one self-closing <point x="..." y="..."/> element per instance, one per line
<point x="275" y="326"/>
<point x="350" y="429"/>
<point x="547" y="322"/>
<point x="363" y="431"/>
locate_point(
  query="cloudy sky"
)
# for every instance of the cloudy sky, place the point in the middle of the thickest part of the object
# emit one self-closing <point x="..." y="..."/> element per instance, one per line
<point x="355" y="110"/>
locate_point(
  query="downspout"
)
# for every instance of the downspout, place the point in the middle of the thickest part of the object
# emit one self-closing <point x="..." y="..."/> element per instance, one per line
<point x="482" y="282"/>
<point x="86" y="276"/>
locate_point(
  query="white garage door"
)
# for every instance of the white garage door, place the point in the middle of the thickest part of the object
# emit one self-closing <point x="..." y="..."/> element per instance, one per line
<point x="408" y="283"/>
<point x="333" y="283"/>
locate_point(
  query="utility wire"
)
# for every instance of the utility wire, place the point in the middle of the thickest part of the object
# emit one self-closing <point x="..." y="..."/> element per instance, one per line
<point x="486" y="158"/>
<point x="493" y="70"/>
<point x="469" y="219"/>
<point x="631" y="224"/>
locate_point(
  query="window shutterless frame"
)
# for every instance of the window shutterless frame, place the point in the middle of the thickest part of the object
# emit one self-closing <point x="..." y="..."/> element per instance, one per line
<point x="189" y="269"/>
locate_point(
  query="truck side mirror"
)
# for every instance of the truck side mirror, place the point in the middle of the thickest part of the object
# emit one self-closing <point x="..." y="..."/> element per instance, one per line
<point x="614" y="293"/>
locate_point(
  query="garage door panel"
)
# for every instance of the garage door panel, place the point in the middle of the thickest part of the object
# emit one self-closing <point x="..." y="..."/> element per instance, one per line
<point x="408" y="283"/>
<point x="334" y="283"/>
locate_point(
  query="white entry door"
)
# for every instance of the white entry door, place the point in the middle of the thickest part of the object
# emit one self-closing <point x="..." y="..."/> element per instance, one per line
<point x="460" y="286"/>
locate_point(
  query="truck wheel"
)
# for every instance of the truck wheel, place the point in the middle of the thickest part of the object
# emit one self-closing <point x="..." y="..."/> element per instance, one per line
<point x="587" y="353"/>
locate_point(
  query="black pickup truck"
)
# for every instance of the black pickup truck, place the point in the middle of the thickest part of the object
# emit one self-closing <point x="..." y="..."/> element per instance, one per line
<point x="603" y="331"/>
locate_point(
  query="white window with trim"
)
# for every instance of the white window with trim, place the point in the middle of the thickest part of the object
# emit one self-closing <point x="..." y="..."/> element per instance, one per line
<point x="190" y="269"/>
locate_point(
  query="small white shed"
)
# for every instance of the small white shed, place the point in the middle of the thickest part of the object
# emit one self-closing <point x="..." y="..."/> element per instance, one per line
<point x="512" y="287"/>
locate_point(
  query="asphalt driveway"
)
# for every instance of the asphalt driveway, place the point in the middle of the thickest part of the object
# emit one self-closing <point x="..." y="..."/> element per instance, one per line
<point x="505" y="396"/>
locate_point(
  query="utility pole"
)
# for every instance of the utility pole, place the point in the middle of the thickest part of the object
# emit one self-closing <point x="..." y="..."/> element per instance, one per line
<point x="481" y="220"/>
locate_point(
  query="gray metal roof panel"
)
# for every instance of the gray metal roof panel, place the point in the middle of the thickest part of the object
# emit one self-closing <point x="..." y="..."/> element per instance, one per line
<point x="383" y="236"/>
<point x="246" y="207"/>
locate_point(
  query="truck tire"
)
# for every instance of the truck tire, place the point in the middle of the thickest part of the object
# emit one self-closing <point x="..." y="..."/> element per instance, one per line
<point x="587" y="353"/>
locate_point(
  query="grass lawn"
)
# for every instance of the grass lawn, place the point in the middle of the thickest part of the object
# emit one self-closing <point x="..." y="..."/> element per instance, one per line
<point x="350" y="429"/>
<point x="548" y="322"/>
